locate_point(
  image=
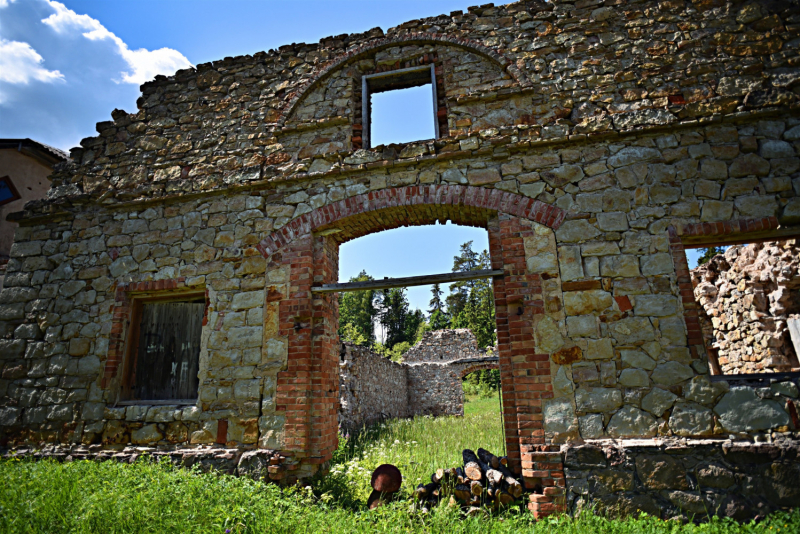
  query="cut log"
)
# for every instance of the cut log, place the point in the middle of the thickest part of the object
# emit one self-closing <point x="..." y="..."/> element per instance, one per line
<point x="514" y="487"/>
<point x="469" y="456"/>
<point x="462" y="492"/>
<point x="488" y="458"/>
<point x="504" y="498"/>
<point x="512" y="484"/>
<point x="476" y="488"/>
<point x="473" y="471"/>
<point x="503" y="461"/>
<point x="449" y="475"/>
<point x="494" y="476"/>
<point x="386" y="479"/>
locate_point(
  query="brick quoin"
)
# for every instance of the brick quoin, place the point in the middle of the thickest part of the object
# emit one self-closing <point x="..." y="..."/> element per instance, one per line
<point x="524" y="373"/>
<point x="706" y="231"/>
<point x="307" y="392"/>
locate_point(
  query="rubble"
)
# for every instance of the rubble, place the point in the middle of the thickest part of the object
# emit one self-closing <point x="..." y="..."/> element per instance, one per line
<point x="749" y="294"/>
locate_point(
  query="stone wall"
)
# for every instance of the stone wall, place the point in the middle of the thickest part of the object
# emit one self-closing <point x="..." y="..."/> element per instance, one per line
<point x="593" y="140"/>
<point x="444" y="346"/>
<point x="371" y="388"/>
<point x="435" y="389"/>
<point x="749" y="293"/>
<point x="687" y="479"/>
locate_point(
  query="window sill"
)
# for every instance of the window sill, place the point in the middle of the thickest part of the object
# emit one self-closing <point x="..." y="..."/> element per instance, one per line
<point x="172" y="402"/>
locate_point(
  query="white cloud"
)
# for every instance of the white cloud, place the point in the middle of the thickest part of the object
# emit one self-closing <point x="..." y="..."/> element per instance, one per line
<point x="144" y="64"/>
<point x="20" y="63"/>
<point x="4" y="3"/>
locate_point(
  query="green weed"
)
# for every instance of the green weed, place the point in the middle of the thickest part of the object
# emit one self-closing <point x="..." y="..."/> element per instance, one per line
<point x="150" y="497"/>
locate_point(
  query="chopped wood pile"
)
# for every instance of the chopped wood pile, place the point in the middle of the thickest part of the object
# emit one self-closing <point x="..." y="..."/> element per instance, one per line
<point x="484" y="481"/>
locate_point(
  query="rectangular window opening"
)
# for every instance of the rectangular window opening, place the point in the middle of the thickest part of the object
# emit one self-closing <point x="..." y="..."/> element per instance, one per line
<point x="399" y="106"/>
<point x="748" y="297"/>
<point x="164" y="350"/>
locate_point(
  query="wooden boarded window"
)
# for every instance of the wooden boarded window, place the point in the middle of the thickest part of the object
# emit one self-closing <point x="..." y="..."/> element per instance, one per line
<point x="167" y="351"/>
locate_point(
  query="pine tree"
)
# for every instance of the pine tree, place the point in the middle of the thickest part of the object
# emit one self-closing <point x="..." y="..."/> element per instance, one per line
<point x="439" y="320"/>
<point x="471" y="303"/>
<point x="436" y="299"/>
<point x="393" y="314"/>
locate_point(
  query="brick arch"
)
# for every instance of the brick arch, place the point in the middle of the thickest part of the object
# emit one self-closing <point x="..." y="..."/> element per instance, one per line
<point x="478" y="367"/>
<point x="507" y="64"/>
<point x="411" y="205"/>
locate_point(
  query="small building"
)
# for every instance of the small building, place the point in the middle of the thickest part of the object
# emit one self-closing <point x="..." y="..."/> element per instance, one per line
<point x="25" y="165"/>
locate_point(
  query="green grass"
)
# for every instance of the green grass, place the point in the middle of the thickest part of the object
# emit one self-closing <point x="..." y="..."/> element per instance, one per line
<point x="148" y="497"/>
<point x="417" y="446"/>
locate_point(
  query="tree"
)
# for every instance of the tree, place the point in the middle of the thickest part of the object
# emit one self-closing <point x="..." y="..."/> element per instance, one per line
<point x="471" y="303"/>
<point x="439" y="320"/>
<point x="393" y="314"/>
<point x="414" y="320"/>
<point x="357" y="309"/>
<point x="467" y="260"/>
<point x="436" y="299"/>
<point x="708" y="253"/>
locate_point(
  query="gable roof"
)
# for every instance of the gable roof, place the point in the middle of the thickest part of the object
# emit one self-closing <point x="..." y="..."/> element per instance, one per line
<point x="41" y="152"/>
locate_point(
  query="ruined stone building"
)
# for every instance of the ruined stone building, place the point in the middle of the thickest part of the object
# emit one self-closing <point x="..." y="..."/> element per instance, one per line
<point x="751" y="296"/>
<point x="162" y="295"/>
<point x="373" y="388"/>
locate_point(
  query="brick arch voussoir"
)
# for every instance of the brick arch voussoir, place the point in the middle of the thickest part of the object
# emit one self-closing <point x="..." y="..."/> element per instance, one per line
<point x="507" y="64"/>
<point x="478" y="367"/>
<point x="442" y="195"/>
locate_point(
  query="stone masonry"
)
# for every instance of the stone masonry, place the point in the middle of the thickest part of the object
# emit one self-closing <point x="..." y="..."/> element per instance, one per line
<point x="685" y="479"/>
<point x="373" y="388"/>
<point x="594" y="139"/>
<point x="749" y="294"/>
<point x="444" y="346"/>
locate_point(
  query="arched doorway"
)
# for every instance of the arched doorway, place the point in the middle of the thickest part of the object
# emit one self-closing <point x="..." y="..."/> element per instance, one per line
<point x="303" y="324"/>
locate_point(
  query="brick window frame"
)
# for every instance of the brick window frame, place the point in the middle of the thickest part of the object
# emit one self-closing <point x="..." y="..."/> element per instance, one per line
<point x="703" y="235"/>
<point x="362" y="109"/>
<point x="127" y="307"/>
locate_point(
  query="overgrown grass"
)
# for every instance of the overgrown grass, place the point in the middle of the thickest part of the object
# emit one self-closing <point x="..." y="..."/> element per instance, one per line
<point x="147" y="497"/>
<point x="417" y="446"/>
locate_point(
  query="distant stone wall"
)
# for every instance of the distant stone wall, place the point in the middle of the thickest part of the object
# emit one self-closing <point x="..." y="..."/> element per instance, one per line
<point x="435" y="389"/>
<point x="371" y="388"/>
<point x="683" y="478"/>
<point x="749" y="294"/>
<point x="444" y="346"/>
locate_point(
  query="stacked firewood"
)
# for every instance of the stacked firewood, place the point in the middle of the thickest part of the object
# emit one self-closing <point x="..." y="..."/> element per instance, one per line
<point x="483" y="481"/>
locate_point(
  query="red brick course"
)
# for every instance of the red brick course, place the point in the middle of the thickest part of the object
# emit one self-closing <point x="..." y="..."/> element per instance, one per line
<point x="412" y="205"/>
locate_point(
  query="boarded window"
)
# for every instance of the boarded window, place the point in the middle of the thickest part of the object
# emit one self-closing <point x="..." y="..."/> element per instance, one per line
<point x="168" y="351"/>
